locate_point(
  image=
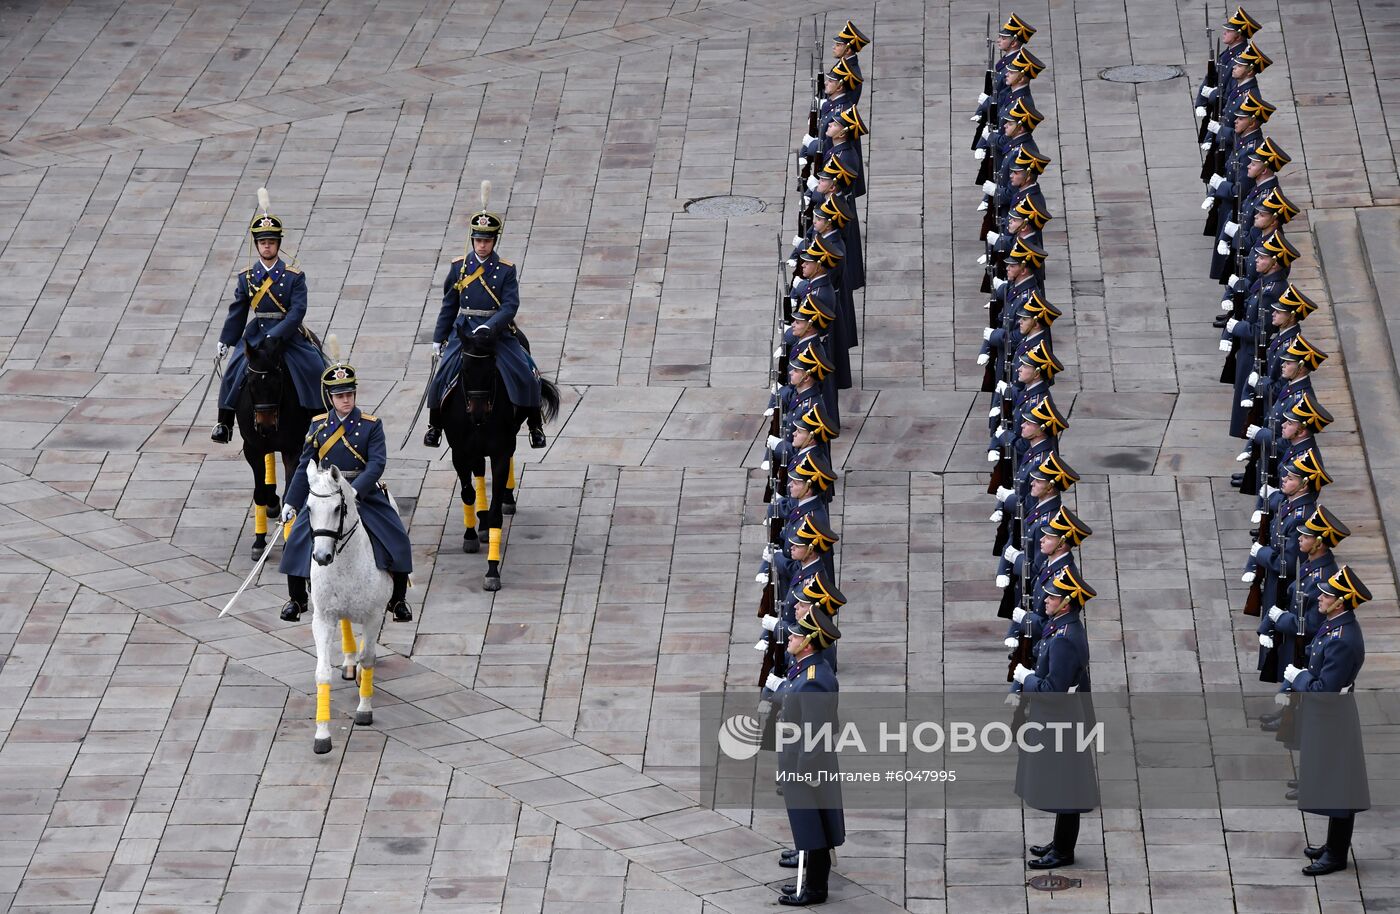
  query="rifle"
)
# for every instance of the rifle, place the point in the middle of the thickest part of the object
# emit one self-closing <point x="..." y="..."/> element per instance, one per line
<point x="1023" y="654"/>
<point x="988" y="86"/>
<point x="777" y="379"/>
<point x="1016" y="530"/>
<point x="1003" y="470"/>
<point x="1300" y="643"/>
<point x="812" y="111"/>
<point x="1213" y="104"/>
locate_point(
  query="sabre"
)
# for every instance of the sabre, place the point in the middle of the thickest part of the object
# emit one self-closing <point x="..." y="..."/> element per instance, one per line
<point x="217" y="372"/>
<point x="254" y="573"/>
<point x="432" y="373"/>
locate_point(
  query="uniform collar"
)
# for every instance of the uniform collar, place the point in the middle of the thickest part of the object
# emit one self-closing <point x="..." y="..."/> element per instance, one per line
<point x="1337" y="621"/>
<point x="264" y="269"/>
<point x="801" y="665"/>
<point x="473" y="262"/>
<point x="1063" y="620"/>
<point x="350" y="416"/>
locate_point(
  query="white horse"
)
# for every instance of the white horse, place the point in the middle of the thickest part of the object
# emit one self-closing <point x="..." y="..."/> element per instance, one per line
<point x="355" y="590"/>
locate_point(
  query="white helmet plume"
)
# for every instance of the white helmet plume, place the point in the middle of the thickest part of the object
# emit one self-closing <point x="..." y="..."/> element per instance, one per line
<point x="333" y="347"/>
<point x="485" y="194"/>
<point x="264" y="202"/>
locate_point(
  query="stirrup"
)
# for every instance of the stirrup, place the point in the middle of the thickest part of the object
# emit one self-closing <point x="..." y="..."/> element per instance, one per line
<point x="537" y="438"/>
<point x="432" y="437"/>
<point x="221" y="434"/>
<point x="399" y="610"/>
<point x="292" y="611"/>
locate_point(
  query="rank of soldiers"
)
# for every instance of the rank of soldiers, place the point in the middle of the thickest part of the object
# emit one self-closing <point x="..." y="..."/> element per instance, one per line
<point x="1309" y="638"/>
<point x="815" y="329"/>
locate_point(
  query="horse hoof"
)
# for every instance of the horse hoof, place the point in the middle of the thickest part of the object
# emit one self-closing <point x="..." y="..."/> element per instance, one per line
<point x="491" y="583"/>
<point x="259" y="545"/>
<point x="471" y="544"/>
<point x="508" y="505"/>
<point x="364" y="718"/>
<point x="321" y="746"/>
<point x="348" y="672"/>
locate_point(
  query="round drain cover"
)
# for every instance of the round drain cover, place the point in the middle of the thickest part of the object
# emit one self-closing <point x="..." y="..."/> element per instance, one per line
<point x="1052" y="882"/>
<point x="1140" y="73"/>
<point x="725" y="206"/>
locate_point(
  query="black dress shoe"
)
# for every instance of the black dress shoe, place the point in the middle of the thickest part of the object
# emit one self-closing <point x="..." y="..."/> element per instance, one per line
<point x="788" y="863"/>
<point x="1236" y="479"/>
<point x="1271" y="726"/>
<point x="537" y="439"/>
<point x="806" y="898"/>
<point x="432" y="437"/>
<point x="1321" y="866"/>
<point x="1293" y="785"/>
<point x="1040" y="850"/>
<point x="1290" y="795"/>
<point x="1219" y="322"/>
<point x="221" y="434"/>
<point x="790" y="852"/>
<point x="292" y="611"/>
<point x="1312" y="853"/>
<point x="1051" y="860"/>
<point x="400" y="611"/>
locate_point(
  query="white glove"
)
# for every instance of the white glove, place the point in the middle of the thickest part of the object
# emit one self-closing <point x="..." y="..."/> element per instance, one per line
<point x="1200" y="111"/>
<point x="1207" y="203"/>
<point x="987" y="333"/>
<point x="1206" y="145"/>
<point x="981" y="207"/>
<point x="1018" y="614"/>
<point x="994" y="412"/>
<point x="769" y="411"/>
<point x="1230" y="325"/>
<point x="1213" y="127"/>
<point x="1226" y="304"/>
<point x="979" y="154"/>
<point x="1255" y="547"/>
<point x="797" y="239"/>
<point x="1003" y="493"/>
<point x="992" y="237"/>
<point x="779" y="351"/>
<point x="773" y="683"/>
<point x="807" y="138"/>
<point x="986" y="131"/>
<point x="1011" y="553"/>
<point x="792" y="263"/>
<point x="1011" y="643"/>
<point x="761" y="577"/>
<point x="774" y="441"/>
<point x="989" y="188"/>
<point x="1232" y="280"/>
<point x="1242" y="456"/>
<point x="1222" y="248"/>
<point x="1266" y="491"/>
<point x="1252" y="431"/>
<point x="983" y="358"/>
<point x="761" y="644"/>
<point x="1253" y="378"/>
<point x="801" y="160"/>
<point x="811" y="182"/>
<point x="1281" y="699"/>
<point x="1013" y="699"/>
<point x="1003" y="581"/>
<point x="1266" y="641"/>
<point x="982" y="258"/>
<point x="998" y="283"/>
<point x="765" y="465"/>
<point x="1291" y="672"/>
<point x="1256" y="517"/>
<point x="1216" y="181"/>
<point x="770" y="623"/>
<point x="288" y="513"/>
<point x="1247" y="577"/>
<point x="437" y="349"/>
<point x="1274" y="613"/>
<point x="1231" y="228"/>
<point x="996" y="516"/>
<point x="1209" y="91"/>
<point x="993" y="456"/>
<point x="982" y="97"/>
<point x="1020" y="673"/>
<point x="768" y="553"/>
<point x="1224" y="345"/>
<point x="223" y="350"/>
<point x="1001" y="387"/>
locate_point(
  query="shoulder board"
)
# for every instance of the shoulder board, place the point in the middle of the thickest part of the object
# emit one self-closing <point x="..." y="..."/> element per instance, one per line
<point x="368" y="418"/>
<point x="459" y="259"/>
<point x="505" y="263"/>
<point x="292" y="269"/>
<point x="1337" y="632"/>
<point x="318" y="418"/>
<point x="811" y="672"/>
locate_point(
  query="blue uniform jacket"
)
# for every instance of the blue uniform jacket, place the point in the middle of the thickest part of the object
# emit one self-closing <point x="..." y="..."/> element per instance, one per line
<point x="1063" y="664"/>
<point x="360" y="452"/>
<point x="276" y="322"/>
<point x="496" y="290"/>
<point x="1334" y="657"/>
<point x="815" y="813"/>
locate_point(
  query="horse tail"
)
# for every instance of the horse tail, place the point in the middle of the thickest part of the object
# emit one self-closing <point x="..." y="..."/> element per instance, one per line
<point x="549" y="397"/>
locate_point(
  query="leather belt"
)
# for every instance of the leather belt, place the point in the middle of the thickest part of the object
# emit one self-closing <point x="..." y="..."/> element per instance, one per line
<point x="478" y="312"/>
<point x="266" y="316"/>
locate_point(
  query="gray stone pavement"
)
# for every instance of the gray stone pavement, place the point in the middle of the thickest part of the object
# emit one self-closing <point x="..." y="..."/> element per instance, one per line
<point x="534" y="750"/>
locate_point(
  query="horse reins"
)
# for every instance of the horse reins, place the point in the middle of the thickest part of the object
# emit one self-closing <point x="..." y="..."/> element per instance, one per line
<point x="339" y="534"/>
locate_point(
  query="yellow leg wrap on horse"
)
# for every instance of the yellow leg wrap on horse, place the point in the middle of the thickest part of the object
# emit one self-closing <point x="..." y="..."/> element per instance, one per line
<point x="481" y="503"/>
<point x="259" y="520"/>
<point x="493" y="552"/>
<point x="347" y="637"/>
<point x="468" y="516"/>
<point x="366" y="683"/>
<point x="270" y="469"/>
<point x="510" y="475"/>
<point x="323" y="702"/>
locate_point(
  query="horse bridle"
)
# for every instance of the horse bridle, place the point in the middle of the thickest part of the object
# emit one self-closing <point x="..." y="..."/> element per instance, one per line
<point x="340" y="535"/>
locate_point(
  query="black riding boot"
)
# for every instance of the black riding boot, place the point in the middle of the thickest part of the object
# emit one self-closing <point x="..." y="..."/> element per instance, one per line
<point x="223" y="431"/>
<point x="433" y="436"/>
<point x="398" y="606"/>
<point x="536" y="424"/>
<point x="296" y="604"/>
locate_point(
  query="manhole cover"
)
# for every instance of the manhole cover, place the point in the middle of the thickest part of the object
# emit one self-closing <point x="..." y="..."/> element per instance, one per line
<point x="725" y="206"/>
<point x="1140" y="73"/>
<point x="1052" y="882"/>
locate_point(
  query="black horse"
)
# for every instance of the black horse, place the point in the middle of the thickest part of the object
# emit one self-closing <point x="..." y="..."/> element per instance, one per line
<point x="481" y="424"/>
<point x="271" y="421"/>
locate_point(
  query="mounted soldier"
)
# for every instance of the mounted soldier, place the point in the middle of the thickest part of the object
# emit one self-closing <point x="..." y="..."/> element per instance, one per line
<point x="480" y="298"/>
<point x="269" y="305"/>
